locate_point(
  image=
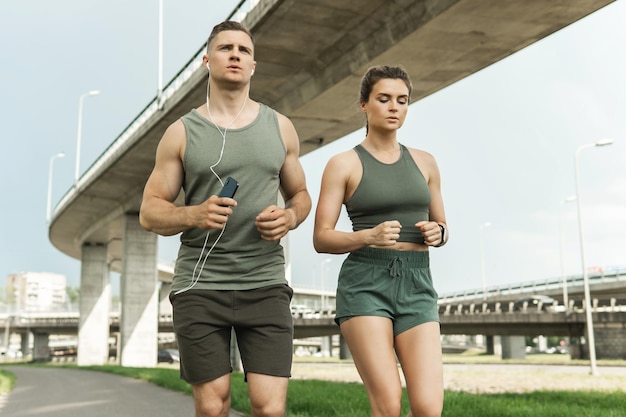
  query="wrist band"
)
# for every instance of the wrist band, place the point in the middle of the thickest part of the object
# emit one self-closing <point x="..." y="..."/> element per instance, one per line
<point x="443" y="235"/>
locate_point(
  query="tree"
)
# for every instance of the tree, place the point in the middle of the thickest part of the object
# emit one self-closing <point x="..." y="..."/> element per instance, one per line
<point x="73" y="294"/>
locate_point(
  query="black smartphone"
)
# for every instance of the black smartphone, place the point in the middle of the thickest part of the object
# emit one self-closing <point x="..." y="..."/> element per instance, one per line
<point x="229" y="188"/>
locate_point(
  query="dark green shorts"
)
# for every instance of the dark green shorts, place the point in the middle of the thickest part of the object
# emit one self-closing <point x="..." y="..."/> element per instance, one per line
<point x="387" y="283"/>
<point x="204" y="319"/>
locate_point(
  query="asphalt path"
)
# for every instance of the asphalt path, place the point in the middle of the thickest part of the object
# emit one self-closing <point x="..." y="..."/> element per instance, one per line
<point x="61" y="392"/>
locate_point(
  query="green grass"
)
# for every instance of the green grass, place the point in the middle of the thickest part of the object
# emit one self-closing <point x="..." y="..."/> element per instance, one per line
<point x="7" y="381"/>
<point x="314" y="398"/>
<point x="541" y="403"/>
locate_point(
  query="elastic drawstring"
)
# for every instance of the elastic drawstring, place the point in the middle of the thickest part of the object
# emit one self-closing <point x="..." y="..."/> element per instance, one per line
<point x="395" y="267"/>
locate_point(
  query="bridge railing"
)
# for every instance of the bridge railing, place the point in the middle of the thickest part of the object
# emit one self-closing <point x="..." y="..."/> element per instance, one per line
<point x="238" y="14"/>
<point x="538" y="286"/>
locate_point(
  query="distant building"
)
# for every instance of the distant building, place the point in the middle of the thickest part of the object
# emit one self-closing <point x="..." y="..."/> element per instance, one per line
<point x="36" y="291"/>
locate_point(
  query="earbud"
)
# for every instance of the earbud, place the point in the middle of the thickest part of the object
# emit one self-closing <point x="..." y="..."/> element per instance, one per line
<point x="252" y="73"/>
<point x="207" y="66"/>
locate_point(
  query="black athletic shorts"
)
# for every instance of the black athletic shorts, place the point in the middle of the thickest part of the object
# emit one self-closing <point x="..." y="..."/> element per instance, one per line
<point x="261" y="318"/>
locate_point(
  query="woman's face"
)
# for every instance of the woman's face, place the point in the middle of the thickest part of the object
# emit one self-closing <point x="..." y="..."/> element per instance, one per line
<point x="387" y="105"/>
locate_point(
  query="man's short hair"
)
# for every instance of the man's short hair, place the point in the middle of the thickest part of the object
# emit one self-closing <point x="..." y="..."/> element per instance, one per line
<point x="228" y="25"/>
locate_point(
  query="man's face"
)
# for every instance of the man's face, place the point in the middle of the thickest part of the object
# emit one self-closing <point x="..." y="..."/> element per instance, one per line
<point x="231" y="56"/>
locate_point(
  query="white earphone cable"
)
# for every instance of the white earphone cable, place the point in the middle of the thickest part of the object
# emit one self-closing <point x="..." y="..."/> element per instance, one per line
<point x="194" y="277"/>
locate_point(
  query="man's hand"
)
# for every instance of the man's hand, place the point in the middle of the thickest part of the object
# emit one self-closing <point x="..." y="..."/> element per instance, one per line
<point x="274" y="222"/>
<point x="213" y="213"/>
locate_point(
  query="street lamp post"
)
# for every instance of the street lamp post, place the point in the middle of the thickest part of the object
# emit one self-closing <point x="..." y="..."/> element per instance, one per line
<point x="563" y="276"/>
<point x="80" y="123"/>
<point x="589" y="316"/>
<point x="482" y="259"/>
<point x="49" y="204"/>
<point x="160" y="59"/>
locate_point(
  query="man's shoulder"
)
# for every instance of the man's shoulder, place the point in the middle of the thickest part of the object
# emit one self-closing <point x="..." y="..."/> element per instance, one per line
<point x="188" y="120"/>
<point x="269" y="109"/>
<point x="191" y="114"/>
<point x="176" y="130"/>
<point x="283" y="121"/>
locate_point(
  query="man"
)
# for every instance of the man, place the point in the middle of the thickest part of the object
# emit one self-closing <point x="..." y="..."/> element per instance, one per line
<point x="230" y="268"/>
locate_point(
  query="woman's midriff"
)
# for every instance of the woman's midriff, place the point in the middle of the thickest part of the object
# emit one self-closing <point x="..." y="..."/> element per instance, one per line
<point x="408" y="246"/>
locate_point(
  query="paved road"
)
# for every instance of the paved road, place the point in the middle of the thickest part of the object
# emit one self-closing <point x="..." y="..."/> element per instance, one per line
<point x="59" y="392"/>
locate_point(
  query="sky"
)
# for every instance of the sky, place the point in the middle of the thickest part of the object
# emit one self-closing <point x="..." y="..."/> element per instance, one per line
<point x="505" y="139"/>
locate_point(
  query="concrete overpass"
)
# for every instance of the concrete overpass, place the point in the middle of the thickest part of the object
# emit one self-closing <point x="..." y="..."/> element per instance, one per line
<point x="605" y="286"/>
<point x="495" y="314"/>
<point x="491" y="322"/>
<point x="310" y="55"/>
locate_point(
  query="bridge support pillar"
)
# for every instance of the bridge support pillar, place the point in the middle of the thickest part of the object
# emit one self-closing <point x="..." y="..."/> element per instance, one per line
<point x="327" y="346"/>
<point x="344" y="351"/>
<point x="41" y="351"/>
<point x="25" y="343"/>
<point x="577" y="349"/>
<point x="610" y="337"/>
<point x="493" y="345"/>
<point x="513" y="347"/>
<point x="489" y="345"/>
<point x="610" y="340"/>
<point x="139" y="293"/>
<point x="165" y="307"/>
<point x="95" y="306"/>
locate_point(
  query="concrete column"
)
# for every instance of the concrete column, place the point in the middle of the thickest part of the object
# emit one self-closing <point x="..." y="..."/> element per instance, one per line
<point x="139" y="295"/>
<point x="489" y="345"/>
<point x="25" y="343"/>
<point x="610" y="340"/>
<point x="479" y="340"/>
<point x="576" y="348"/>
<point x="6" y="334"/>
<point x="327" y="346"/>
<point x="165" y="307"/>
<point x="497" y="346"/>
<point x="41" y="351"/>
<point x="513" y="347"/>
<point x="344" y="350"/>
<point x="94" y="307"/>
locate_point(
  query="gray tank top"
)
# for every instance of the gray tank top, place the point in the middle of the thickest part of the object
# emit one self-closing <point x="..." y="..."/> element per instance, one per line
<point x="396" y="191"/>
<point x="254" y="156"/>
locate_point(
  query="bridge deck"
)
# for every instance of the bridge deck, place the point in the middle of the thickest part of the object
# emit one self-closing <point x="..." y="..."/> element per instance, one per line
<point x="310" y="57"/>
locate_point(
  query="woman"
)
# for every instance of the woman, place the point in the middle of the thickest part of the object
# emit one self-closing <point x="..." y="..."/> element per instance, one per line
<point x="386" y="303"/>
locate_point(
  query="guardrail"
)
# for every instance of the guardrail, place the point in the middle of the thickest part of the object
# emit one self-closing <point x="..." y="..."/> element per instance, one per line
<point x="617" y="274"/>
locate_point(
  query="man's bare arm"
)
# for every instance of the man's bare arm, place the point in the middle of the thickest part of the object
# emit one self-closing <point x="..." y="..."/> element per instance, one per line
<point x="158" y="212"/>
<point x="292" y="177"/>
<point x="274" y="222"/>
